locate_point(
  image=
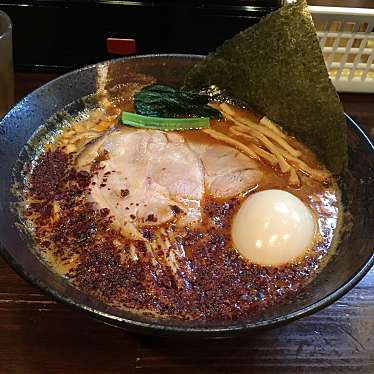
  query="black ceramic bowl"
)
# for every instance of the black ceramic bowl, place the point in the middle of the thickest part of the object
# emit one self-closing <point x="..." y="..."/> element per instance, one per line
<point x="351" y="262"/>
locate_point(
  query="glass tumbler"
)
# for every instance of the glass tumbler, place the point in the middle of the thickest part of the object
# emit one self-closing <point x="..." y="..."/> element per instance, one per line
<point x="6" y="64"/>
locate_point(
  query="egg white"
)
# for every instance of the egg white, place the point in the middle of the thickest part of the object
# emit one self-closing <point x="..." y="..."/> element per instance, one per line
<point x="273" y="227"/>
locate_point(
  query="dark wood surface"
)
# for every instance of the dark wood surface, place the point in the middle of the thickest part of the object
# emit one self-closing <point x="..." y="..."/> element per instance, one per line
<point x="38" y="335"/>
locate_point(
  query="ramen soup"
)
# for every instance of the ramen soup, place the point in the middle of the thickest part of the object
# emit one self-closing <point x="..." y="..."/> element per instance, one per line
<point x="217" y="223"/>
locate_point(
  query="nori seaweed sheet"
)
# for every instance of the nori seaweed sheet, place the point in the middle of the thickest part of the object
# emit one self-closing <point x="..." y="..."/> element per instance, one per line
<point x="276" y="67"/>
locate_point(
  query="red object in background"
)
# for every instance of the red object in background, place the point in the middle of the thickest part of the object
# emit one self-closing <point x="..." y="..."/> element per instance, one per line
<point x="123" y="47"/>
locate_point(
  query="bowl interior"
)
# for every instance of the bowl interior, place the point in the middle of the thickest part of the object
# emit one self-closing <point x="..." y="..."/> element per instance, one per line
<point x="352" y="260"/>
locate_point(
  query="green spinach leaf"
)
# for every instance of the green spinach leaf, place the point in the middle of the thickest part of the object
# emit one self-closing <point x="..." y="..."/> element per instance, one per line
<point x="168" y="102"/>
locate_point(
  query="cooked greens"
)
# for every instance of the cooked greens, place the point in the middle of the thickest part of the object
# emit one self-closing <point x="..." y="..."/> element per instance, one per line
<point x="277" y="68"/>
<point x="171" y="124"/>
<point x="168" y="102"/>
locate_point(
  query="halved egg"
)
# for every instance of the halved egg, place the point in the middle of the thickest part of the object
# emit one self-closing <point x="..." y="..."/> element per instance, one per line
<point x="273" y="227"/>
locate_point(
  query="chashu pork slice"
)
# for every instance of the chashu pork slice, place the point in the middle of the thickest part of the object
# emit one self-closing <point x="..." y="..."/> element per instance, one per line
<point x="145" y="177"/>
<point x="150" y="177"/>
<point x="227" y="172"/>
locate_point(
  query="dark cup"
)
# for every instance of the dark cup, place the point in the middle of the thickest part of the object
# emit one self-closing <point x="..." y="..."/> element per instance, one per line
<point x="6" y="64"/>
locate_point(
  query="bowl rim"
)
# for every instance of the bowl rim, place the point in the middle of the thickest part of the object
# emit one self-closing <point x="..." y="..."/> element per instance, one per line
<point x="156" y="327"/>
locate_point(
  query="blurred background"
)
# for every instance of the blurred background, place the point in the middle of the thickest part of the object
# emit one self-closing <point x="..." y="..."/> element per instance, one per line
<point x="61" y="35"/>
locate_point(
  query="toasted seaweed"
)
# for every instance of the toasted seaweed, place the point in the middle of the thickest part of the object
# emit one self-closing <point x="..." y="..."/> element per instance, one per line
<point x="276" y="67"/>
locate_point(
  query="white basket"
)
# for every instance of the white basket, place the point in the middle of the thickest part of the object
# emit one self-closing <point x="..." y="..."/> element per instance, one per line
<point x="347" y="40"/>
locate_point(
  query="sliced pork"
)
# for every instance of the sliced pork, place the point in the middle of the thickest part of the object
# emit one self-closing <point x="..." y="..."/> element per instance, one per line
<point x="150" y="177"/>
<point x="227" y="171"/>
<point x="145" y="177"/>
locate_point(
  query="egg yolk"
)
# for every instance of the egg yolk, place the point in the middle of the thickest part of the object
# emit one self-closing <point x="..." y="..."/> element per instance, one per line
<point x="273" y="227"/>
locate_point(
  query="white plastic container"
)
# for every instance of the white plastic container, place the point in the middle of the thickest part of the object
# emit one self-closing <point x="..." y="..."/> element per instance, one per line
<point x="347" y="40"/>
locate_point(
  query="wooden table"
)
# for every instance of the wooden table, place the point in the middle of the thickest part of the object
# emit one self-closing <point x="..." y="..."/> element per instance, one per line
<point x="39" y="335"/>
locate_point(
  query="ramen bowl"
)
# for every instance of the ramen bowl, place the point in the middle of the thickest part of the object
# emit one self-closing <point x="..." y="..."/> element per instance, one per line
<point x="352" y="260"/>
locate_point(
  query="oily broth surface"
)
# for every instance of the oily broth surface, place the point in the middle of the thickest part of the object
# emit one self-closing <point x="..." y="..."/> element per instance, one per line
<point x="192" y="272"/>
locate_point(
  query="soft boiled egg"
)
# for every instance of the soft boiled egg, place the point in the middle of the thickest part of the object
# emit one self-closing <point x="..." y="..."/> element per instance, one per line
<point x="273" y="227"/>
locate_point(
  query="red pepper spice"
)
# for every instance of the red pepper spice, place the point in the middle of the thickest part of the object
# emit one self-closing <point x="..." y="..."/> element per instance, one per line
<point x="212" y="282"/>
